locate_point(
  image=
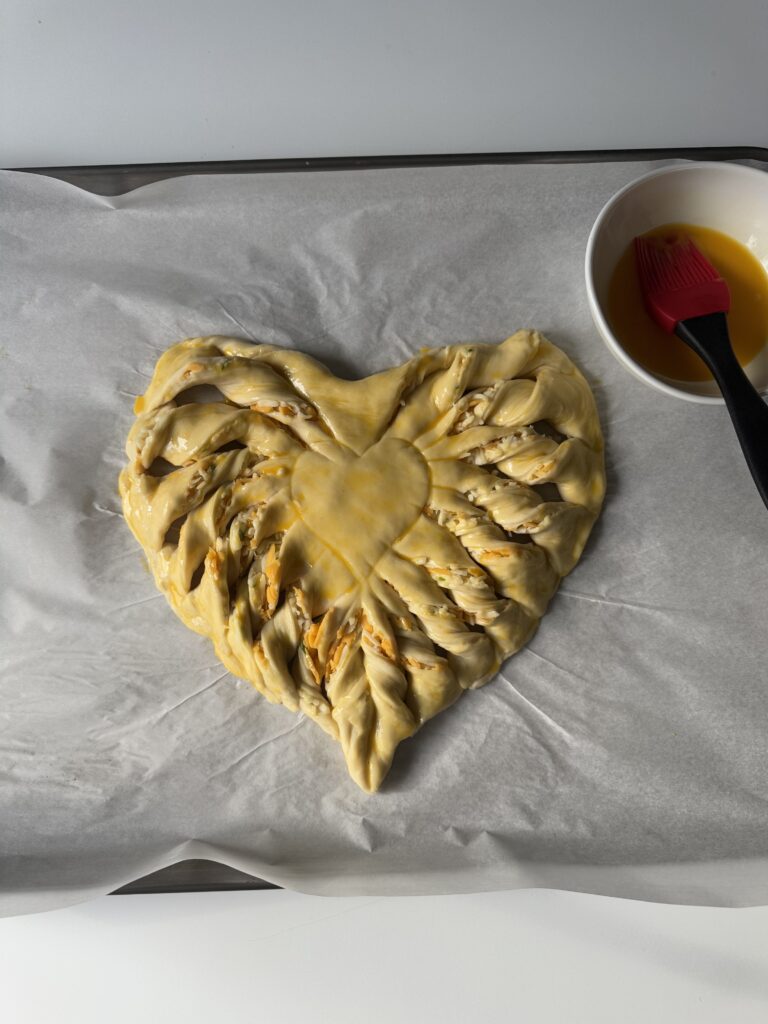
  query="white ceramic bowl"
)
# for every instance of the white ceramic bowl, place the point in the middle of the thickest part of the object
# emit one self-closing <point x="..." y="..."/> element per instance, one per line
<point x="727" y="197"/>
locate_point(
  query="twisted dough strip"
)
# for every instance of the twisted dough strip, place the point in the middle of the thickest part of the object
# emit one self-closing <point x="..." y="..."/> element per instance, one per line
<point x="364" y="551"/>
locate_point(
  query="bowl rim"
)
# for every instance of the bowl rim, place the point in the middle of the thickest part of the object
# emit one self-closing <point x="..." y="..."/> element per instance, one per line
<point x="603" y="326"/>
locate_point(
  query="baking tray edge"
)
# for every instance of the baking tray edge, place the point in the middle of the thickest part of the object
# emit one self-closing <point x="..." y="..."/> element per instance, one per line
<point x="116" y="179"/>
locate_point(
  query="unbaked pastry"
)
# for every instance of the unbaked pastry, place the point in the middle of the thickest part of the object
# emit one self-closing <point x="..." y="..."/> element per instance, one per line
<point x="363" y="551"/>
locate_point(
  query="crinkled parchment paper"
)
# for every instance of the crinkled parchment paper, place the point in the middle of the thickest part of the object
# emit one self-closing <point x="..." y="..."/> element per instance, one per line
<point x="623" y="752"/>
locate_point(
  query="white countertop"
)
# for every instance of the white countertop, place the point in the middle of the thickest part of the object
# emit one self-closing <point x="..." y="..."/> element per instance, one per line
<point x="94" y="81"/>
<point x="100" y="81"/>
<point x="530" y="956"/>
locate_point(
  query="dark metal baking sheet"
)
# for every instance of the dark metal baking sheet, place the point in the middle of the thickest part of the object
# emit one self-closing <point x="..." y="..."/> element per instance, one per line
<point x="115" y="179"/>
<point x="194" y="876"/>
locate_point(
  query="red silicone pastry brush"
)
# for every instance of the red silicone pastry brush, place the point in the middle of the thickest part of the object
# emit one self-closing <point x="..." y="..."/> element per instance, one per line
<point x="685" y="294"/>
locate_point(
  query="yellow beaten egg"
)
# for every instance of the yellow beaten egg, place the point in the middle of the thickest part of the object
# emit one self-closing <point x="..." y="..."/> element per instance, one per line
<point x="665" y="354"/>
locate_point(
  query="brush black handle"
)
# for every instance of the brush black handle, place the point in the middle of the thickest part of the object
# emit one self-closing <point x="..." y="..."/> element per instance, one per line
<point x="708" y="337"/>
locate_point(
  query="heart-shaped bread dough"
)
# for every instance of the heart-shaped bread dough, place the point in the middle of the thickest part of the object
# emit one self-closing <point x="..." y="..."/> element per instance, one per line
<point x="364" y="551"/>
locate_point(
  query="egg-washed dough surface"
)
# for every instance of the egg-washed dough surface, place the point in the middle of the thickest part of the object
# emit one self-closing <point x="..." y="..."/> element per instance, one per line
<point x="364" y="551"/>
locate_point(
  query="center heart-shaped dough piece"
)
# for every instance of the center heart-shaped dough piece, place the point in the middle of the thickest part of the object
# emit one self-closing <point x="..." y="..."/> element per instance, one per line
<point x="358" y="506"/>
<point x="364" y="551"/>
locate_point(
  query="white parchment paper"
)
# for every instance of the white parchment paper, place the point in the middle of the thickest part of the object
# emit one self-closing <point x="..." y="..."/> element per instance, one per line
<point x="623" y="752"/>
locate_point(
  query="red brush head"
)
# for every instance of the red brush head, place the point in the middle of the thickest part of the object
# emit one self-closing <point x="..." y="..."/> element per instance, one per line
<point x="678" y="282"/>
